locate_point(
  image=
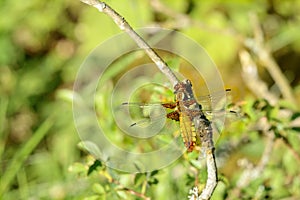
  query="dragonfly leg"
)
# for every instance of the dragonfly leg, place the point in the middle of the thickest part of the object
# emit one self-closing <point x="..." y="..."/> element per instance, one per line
<point x="169" y="105"/>
<point x="174" y="115"/>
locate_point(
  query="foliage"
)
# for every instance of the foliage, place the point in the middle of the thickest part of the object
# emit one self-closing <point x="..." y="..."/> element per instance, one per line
<point x="43" y="44"/>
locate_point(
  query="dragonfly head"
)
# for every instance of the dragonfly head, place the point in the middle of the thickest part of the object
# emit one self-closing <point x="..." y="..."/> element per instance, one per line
<point x="183" y="90"/>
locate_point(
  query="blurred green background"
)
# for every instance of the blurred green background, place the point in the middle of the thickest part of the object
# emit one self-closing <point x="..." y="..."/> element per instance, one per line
<point x="43" y="44"/>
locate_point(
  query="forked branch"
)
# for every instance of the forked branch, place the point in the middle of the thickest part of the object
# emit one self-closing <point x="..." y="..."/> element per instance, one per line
<point x="258" y="46"/>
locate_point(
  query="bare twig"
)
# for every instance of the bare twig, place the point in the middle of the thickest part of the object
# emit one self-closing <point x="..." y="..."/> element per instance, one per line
<point x="264" y="54"/>
<point x="259" y="88"/>
<point x="123" y="25"/>
<point x="211" y="181"/>
<point x="252" y="79"/>
<point x="183" y="20"/>
<point x="254" y="172"/>
<point x="137" y="194"/>
<point x="123" y="188"/>
<point x="290" y="147"/>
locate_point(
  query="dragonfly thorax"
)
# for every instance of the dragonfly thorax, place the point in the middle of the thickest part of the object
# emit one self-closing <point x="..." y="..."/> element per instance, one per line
<point x="185" y="97"/>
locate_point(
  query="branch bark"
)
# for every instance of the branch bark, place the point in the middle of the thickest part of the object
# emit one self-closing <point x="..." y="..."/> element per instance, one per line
<point x="124" y="26"/>
<point x="257" y="45"/>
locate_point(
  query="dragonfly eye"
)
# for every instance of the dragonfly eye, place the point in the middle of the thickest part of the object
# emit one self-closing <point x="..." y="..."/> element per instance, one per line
<point x="188" y="82"/>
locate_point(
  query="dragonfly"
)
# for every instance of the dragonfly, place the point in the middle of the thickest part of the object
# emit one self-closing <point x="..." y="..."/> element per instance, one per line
<point x="193" y="123"/>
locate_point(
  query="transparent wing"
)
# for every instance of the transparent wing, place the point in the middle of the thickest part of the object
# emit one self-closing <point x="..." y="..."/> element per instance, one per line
<point x="144" y="113"/>
<point x="144" y="119"/>
<point x="212" y="102"/>
<point x="152" y="114"/>
<point x="215" y="101"/>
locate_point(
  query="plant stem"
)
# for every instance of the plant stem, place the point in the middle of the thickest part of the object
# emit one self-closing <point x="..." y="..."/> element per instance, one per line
<point x="20" y="157"/>
<point x="123" y="25"/>
<point x="212" y="179"/>
<point x="264" y="54"/>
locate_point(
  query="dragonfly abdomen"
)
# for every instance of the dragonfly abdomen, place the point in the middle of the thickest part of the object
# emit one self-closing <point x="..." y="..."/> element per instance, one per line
<point x="188" y="133"/>
<point x="204" y="130"/>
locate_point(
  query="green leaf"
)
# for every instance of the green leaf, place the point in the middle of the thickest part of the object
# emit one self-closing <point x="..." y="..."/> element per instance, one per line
<point x="296" y="128"/>
<point x="295" y="116"/>
<point x="78" y="168"/>
<point x="98" y="189"/>
<point x="153" y="173"/>
<point x="139" y="179"/>
<point x="94" y="166"/>
<point x="153" y="181"/>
